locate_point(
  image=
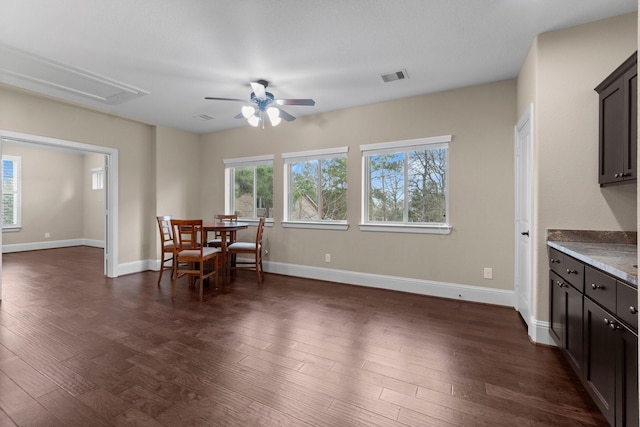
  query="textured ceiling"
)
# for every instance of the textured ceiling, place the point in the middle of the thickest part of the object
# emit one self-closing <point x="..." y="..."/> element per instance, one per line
<point x="333" y="51"/>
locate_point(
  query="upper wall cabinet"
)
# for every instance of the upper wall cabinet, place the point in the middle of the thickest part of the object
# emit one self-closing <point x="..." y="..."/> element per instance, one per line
<point x="618" y="125"/>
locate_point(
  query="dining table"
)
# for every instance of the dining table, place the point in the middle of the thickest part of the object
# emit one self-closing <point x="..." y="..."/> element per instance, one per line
<point x="224" y="228"/>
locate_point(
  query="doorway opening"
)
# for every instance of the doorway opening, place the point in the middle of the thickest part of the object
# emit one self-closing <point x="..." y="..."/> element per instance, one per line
<point x="110" y="179"/>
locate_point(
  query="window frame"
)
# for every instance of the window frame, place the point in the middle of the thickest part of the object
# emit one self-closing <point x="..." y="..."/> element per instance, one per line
<point x="17" y="172"/>
<point x="299" y="156"/>
<point x="403" y="146"/>
<point x="240" y="162"/>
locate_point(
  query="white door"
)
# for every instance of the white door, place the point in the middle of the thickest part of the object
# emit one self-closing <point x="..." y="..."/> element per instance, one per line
<point x="523" y="235"/>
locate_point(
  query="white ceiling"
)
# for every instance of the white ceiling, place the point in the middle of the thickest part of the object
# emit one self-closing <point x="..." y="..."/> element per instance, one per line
<point x="333" y="51"/>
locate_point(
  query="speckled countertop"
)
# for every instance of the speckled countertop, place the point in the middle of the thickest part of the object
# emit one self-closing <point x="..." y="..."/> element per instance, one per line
<point x="614" y="253"/>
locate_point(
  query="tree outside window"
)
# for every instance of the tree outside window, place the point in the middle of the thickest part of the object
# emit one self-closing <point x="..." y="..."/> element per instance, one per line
<point x="317" y="186"/>
<point x="406" y="182"/>
<point x="249" y="187"/>
<point x="319" y="190"/>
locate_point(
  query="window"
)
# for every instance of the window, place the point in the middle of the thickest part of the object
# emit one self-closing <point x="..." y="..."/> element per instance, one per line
<point x="316" y="188"/>
<point x="97" y="182"/>
<point x="405" y="186"/>
<point x="249" y="187"/>
<point x="11" y="194"/>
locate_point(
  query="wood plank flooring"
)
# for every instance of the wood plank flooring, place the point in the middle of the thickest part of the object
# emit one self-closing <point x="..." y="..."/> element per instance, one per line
<point x="78" y="349"/>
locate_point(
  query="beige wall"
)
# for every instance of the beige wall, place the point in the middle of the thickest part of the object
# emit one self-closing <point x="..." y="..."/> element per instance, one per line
<point x="27" y="113"/>
<point x="559" y="76"/>
<point x="481" y="120"/>
<point x="52" y="195"/>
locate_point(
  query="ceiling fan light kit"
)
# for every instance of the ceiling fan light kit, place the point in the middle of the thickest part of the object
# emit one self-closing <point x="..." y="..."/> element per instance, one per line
<point x="264" y="102"/>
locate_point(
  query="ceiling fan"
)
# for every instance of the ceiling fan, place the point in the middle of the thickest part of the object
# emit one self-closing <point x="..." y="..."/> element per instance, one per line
<point x="264" y="102"/>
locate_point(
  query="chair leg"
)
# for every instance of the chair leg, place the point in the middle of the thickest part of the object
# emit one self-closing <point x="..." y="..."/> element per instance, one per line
<point x="160" y="276"/>
<point x="200" y="284"/>
<point x="174" y="288"/>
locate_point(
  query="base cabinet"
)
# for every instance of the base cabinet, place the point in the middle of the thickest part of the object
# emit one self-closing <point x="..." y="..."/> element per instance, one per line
<point x="593" y="320"/>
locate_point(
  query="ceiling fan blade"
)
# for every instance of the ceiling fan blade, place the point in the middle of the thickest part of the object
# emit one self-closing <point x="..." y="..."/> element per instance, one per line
<point x="286" y="116"/>
<point x="309" y="102"/>
<point x="238" y="116"/>
<point x="213" y="98"/>
<point x="259" y="90"/>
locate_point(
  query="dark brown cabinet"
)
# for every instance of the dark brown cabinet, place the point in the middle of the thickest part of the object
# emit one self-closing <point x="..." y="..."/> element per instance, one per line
<point x="566" y="320"/>
<point x="618" y="125"/>
<point x="593" y="320"/>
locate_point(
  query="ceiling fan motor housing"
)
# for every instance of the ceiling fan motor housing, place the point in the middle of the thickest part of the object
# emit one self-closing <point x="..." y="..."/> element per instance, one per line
<point x="262" y="103"/>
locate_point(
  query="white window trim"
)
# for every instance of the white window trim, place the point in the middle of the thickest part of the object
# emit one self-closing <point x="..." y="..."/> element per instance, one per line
<point x="394" y="147"/>
<point x="266" y="160"/>
<point x="17" y="163"/>
<point x="293" y="157"/>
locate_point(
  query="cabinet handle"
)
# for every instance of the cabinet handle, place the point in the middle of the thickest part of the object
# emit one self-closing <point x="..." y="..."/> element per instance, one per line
<point x="617" y="175"/>
<point x="594" y="286"/>
<point x="569" y="271"/>
<point x="553" y="260"/>
<point x="633" y="310"/>
<point x="614" y="326"/>
<point x="560" y="284"/>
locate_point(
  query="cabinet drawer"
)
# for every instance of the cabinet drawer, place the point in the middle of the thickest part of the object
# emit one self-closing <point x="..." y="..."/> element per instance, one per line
<point x="555" y="261"/>
<point x="627" y="304"/>
<point x="601" y="288"/>
<point x="573" y="272"/>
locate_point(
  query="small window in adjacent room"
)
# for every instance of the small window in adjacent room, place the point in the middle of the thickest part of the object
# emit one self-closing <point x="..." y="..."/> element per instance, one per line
<point x="405" y="186"/>
<point x="97" y="182"/>
<point x="11" y="192"/>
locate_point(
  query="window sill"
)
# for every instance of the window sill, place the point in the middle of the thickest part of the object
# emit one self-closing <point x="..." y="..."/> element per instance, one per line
<point x="11" y="229"/>
<point x="318" y="225"/>
<point x="407" y="228"/>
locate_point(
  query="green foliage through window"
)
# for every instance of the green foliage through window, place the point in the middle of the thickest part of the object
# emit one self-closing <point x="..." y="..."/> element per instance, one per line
<point x="407" y="185"/>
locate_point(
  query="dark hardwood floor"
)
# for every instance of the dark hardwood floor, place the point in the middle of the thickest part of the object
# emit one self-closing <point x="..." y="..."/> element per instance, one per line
<point x="78" y="349"/>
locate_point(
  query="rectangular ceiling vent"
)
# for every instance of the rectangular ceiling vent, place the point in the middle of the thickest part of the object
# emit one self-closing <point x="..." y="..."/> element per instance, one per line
<point x="203" y="117"/>
<point x="397" y="75"/>
<point x="32" y="72"/>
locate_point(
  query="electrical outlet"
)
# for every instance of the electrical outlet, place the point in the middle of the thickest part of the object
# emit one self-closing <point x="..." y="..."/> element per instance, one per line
<point x="327" y="257"/>
<point x="488" y="273"/>
<point x="47" y="235"/>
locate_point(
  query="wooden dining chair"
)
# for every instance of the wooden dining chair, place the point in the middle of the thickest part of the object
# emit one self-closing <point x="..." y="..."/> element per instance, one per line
<point x="249" y="248"/>
<point x="193" y="256"/>
<point x="167" y="246"/>
<point x="216" y="241"/>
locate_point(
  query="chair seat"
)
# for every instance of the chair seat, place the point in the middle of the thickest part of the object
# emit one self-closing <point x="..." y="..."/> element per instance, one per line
<point x="193" y="253"/>
<point x="242" y="246"/>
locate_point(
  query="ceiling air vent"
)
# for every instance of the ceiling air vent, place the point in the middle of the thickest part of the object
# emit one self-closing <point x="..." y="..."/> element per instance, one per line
<point x="396" y="75"/>
<point x="203" y="117"/>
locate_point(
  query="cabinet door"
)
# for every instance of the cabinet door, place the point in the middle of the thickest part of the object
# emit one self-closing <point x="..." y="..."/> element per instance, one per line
<point x="574" y="344"/>
<point x="612" y="132"/>
<point x="566" y="320"/>
<point x="600" y="358"/>
<point x="626" y="378"/>
<point x="630" y="148"/>
<point x="557" y="304"/>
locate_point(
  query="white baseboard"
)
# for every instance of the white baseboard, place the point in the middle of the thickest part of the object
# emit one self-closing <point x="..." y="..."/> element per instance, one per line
<point x="403" y="284"/>
<point x="51" y="244"/>
<point x="539" y="332"/>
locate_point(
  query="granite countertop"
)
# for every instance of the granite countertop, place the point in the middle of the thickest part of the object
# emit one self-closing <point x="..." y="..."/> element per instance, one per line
<point x="611" y="253"/>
